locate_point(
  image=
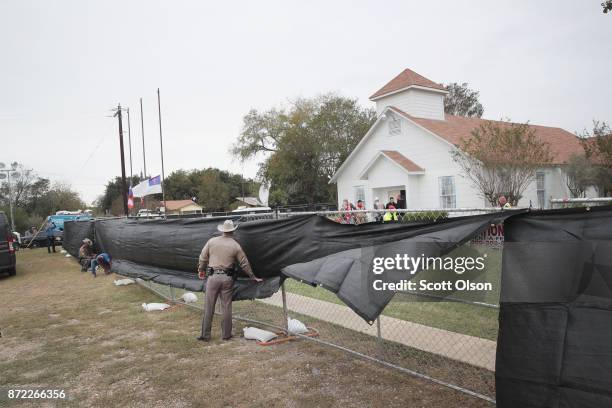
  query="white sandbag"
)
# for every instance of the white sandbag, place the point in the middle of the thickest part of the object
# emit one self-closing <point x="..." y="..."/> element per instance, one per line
<point x="253" y="333"/>
<point x="150" y="307"/>
<point x="296" y="327"/>
<point x="189" y="297"/>
<point x="67" y="255"/>
<point x="121" y="282"/>
<point x="63" y="251"/>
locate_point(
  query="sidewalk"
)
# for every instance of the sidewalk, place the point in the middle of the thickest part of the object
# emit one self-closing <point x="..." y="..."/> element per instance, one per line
<point x="468" y="349"/>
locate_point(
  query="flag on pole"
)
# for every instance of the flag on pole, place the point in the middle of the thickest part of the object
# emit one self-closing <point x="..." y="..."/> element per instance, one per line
<point x="148" y="187"/>
<point x="130" y="199"/>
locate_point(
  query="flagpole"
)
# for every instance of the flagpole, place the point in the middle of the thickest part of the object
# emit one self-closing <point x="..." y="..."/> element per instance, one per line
<point x="143" y="203"/>
<point x="161" y="144"/>
<point x="130" y="144"/>
<point x="144" y="155"/>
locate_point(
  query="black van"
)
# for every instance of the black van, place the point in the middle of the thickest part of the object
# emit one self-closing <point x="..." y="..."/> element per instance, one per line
<point x="7" y="251"/>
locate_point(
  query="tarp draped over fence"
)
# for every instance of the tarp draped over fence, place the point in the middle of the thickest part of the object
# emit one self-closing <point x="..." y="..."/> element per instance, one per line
<point x="166" y="251"/>
<point x="555" y="334"/>
<point x="554" y="346"/>
<point x="348" y="273"/>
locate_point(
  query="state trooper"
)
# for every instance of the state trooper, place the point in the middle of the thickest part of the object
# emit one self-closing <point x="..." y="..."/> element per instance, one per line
<point x="217" y="264"/>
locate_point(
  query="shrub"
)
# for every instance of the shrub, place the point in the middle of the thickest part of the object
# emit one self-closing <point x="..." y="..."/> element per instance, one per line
<point x="425" y="216"/>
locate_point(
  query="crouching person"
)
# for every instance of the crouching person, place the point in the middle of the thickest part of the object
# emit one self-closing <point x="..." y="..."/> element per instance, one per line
<point x="104" y="260"/>
<point x="86" y="254"/>
<point x="216" y="264"/>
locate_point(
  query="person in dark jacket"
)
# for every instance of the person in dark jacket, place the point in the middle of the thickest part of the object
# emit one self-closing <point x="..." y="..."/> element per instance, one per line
<point x="51" y="227"/>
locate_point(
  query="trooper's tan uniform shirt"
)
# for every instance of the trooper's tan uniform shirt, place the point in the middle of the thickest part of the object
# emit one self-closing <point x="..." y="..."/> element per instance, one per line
<point x="221" y="253"/>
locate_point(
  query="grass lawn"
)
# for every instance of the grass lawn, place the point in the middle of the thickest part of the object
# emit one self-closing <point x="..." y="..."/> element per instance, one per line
<point x="62" y="329"/>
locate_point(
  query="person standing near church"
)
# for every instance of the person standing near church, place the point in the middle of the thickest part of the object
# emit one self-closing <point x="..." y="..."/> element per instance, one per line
<point x="216" y="264"/>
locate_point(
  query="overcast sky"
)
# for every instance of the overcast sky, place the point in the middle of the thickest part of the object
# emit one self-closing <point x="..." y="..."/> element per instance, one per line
<point x="65" y="64"/>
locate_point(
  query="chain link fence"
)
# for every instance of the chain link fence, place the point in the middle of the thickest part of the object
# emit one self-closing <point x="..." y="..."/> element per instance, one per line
<point x="449" y="339"/>
<point x="579" y="202"/>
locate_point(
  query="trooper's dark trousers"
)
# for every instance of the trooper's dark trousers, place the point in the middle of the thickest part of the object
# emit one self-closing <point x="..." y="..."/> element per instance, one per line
<point x="218" y="284"/>
<point x="50" y="244"/>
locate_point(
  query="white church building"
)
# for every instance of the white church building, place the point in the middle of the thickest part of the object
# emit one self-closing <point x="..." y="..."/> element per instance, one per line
<point x="407" y="153"/>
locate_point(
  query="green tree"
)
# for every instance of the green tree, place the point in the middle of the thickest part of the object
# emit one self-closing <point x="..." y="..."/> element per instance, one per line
<point x="303" y="145"/>
<point x="580" y="174"/>
<point x="213" y="193"/>
<point x="502" y="158"/>
<point x="113" y="190"/>
<point x="182" y="185"/>
<point x="462" y="101"/>
<point x="597" y="146"/>
<point x="60" y="197"/>
<point x="26" y="188"/>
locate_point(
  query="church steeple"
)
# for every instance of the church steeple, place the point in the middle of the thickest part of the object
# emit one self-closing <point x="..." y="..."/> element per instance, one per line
<point x="413" y="94"/>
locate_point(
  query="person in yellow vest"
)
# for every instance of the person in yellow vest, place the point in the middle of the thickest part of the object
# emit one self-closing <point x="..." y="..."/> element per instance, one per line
<point x="504" y="203"/>
<point x="391" y="214"/>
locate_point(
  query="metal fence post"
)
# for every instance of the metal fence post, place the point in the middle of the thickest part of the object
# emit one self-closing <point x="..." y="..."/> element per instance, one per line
<point x="378" y="332"/>
<point x="172" y="293"/>
<point x="285" y="315"/>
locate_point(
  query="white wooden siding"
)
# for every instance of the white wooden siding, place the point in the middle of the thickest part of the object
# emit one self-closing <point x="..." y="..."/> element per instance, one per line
<point x="416" y="102"/>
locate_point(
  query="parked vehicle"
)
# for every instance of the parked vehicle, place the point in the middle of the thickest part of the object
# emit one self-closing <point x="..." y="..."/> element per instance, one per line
<point x="38" y="240"/>
<point x="243" y="209"/>
<point x="7" y="251"/>
<point x="61" y="216"/>
<point x="148" y="213"/>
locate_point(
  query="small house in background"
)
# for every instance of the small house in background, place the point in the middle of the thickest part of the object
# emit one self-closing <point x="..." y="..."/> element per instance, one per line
<point x="181" y="207"/>
<point x="248" y="202"/>
<point x="249" y="205"/>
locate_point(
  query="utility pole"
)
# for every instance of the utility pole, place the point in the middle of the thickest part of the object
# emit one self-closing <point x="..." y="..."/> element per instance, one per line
<point x="144" y="155"/>
<point x="123" y="182"/>
<point x="130" y="144"/>
<point x="161" y="144"/>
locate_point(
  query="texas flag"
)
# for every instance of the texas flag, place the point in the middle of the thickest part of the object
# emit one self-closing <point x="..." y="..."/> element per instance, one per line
<point x="130" y="199"/>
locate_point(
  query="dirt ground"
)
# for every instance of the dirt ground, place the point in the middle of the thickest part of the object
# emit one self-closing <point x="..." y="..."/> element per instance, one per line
<point x="62" y="329"/>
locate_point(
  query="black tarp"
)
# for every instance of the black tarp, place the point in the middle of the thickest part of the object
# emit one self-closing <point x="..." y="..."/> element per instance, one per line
<point x="166" y="251"/>
<point x="348" y="273"/>
<point x="74" y="234"/>
<point x="555" y="324"/>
